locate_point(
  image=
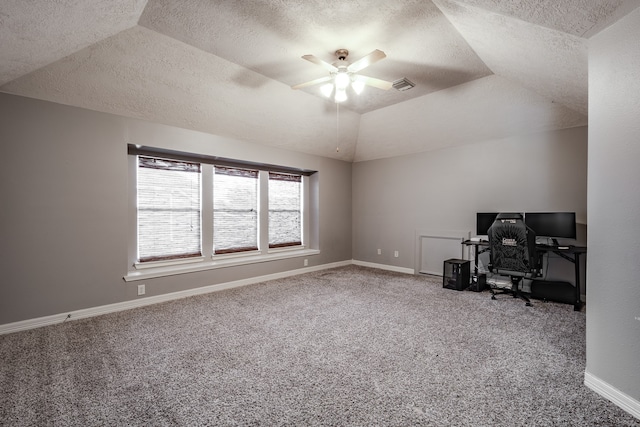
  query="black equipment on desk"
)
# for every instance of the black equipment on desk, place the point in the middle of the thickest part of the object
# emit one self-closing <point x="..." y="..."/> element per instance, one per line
<point x="513" y="252"/>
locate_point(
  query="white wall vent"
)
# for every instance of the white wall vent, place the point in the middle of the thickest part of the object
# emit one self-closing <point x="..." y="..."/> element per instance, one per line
<point x="403" y="84"/>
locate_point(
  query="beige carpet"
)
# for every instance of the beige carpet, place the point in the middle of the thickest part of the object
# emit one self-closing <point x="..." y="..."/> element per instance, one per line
<point x="341" y="347"/>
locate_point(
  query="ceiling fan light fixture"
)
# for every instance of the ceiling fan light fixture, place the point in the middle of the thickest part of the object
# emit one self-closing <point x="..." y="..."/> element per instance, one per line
<point x="358" y="86"/>
<point x="327" y="89"/>
<point x="341" y="95"/>
<point x="342" y="81"/>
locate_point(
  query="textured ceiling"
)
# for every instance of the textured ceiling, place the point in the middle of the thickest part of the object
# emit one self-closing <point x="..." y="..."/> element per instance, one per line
<point x="483" y="68"/>
<point x="36" y="33"/>
<point x="421" y="43"/>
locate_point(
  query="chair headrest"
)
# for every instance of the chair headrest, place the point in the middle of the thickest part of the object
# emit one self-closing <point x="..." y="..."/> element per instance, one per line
<point x="509" y="216"/>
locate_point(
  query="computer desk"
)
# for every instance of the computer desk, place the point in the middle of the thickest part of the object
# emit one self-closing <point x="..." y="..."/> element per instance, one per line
<point x="570" y="253"/>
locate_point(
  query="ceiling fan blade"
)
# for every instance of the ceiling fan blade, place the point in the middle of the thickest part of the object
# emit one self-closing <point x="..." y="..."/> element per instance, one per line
<point x="312" y="82"/>
<point x="320" y="62"/>
<point x="370" y="81"/>
<point x="365" y="61"/>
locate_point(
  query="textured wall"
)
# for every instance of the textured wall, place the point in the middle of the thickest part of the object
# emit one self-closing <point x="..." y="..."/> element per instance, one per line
<point x="613" y="296"/>
<point x="64" y="216"/>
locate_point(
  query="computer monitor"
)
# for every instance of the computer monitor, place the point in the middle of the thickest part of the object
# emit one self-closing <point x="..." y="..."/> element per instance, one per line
<point x="552" y="224"/>
<point x="484" y="221"/>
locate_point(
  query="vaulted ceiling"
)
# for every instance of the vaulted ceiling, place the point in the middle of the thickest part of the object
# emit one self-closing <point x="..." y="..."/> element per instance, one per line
<point x="483" y="69"/>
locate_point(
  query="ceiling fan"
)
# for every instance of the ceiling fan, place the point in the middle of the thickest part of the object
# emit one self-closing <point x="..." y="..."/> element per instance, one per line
<point x="342" y="74"/>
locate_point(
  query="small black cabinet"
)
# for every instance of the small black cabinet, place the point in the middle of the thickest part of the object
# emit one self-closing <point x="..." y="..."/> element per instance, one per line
<point x="456" y="274"/>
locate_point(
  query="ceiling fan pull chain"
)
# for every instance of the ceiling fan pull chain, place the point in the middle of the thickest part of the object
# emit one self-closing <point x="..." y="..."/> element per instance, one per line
<point x="337" y="127"/>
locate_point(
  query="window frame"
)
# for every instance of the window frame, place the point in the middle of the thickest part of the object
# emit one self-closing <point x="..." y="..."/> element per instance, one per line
<point x="210" y="260"/>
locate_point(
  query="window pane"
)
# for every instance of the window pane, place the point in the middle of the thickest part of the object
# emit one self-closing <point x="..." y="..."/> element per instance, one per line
<point x="168" y="209"/>
<point x="235" y="210"/>
<point x="285" y="214"/>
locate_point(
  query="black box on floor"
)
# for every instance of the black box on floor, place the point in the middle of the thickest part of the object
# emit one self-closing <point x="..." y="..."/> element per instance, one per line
<point x="563" y="292"/>
<point x="456" y="274"/>
<point x="478" y="283"/>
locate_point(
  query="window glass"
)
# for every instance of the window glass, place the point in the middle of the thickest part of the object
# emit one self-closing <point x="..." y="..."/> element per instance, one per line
<point x="235" y="210"/>
<point x="285" y="213"/>
<point x="168" y="197"/>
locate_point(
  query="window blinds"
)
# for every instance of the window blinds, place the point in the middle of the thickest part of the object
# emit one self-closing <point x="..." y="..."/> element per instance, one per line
<point x="285" y="210"/>
<point x="235" y="210"/>
<point x="168" y="209"/>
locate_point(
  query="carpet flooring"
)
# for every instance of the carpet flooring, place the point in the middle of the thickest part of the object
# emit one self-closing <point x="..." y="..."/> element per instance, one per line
<point x="350" y="346"/>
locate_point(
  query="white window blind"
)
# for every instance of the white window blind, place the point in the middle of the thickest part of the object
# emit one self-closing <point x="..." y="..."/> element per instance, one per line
<point x="168" y="196"/>
<point x="235" y="210"/>
<point x="285" y="210"/>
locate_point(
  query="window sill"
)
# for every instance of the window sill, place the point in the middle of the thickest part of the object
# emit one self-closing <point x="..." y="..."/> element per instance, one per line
<point x="169" y="263"/>
<point x="150" y="273"/>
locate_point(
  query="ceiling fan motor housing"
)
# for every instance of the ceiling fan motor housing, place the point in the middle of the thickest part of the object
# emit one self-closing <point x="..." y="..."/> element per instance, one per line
<point x="341" y="64"/>
<point x="342" y="54"/>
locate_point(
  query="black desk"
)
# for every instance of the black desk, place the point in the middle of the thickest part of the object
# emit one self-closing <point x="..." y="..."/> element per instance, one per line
<point x="568" y="252"/>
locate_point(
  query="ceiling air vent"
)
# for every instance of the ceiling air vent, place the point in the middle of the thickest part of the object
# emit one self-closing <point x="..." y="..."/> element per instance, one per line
<point x="403" y="84"/>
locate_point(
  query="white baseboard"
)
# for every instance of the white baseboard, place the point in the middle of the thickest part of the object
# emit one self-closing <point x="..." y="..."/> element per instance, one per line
<point x="141" y="302"/>
<point x="431" y="273"/>
<point x="612" y="394"/>
<point x="384" y="267"/>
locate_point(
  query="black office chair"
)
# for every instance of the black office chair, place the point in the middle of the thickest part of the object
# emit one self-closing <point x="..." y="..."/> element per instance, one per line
<point x="513" y="253"/>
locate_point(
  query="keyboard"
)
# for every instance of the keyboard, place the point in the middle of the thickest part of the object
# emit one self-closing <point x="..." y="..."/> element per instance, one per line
<point x="555" y="248"/>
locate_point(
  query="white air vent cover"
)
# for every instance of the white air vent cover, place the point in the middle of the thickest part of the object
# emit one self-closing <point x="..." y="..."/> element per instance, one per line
<point x="403" y="84"/>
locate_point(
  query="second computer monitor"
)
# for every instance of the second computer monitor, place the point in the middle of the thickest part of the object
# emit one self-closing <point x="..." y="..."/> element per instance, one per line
<point x="552" y="224"/>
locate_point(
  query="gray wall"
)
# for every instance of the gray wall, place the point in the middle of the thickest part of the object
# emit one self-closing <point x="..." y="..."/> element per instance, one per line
<point x="613" y="296"/>
<point x="442" y="191"/>
<point x="64" y="216"/>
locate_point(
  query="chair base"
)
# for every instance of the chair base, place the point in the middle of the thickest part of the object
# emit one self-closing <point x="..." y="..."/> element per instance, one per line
<point x="514" y="291"/>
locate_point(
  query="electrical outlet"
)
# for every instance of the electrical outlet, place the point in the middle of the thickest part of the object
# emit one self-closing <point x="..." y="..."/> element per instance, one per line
<point x="396" y="254"/>
<point x="141" y="290"/>
<point x="306" y="262"/>
<point x="379" y="251"/>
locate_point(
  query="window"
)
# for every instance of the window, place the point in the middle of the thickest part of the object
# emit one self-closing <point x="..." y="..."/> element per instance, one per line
<point x="235" y="210"/>
<point x="193" y="212"/>
<point x="168" y="209"/>
<point x="285" y="215"/>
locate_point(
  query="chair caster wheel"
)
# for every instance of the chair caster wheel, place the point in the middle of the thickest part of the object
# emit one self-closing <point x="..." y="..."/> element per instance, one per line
<point x="528" y="304"/>
<point x="493" y="297"/>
